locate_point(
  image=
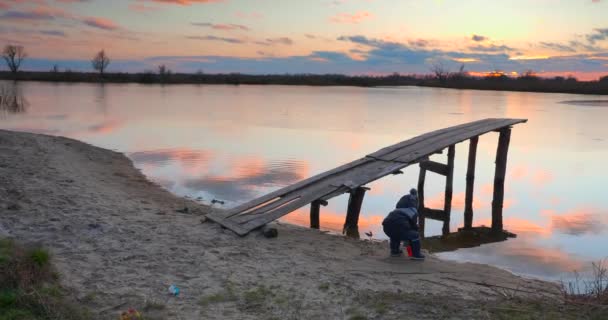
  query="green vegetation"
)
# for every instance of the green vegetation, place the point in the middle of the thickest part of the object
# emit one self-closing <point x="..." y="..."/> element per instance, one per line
<point x="227" y="295"/>
<point x="255" y="298"/>
<point x="214" y="298"/>
<point x="29" y="288"/>
<point x="324" y="286"/>
<point x="458" y="80"/>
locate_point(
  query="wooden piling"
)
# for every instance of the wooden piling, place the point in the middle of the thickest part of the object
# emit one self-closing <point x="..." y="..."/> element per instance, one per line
<point x="315" y="208"/>
<point x="499" y="179"/>
<point x="351" y="225"/>
<point x="421" y="213"/>
<point x="468" y="201"/>
<point x="449" y="181"/>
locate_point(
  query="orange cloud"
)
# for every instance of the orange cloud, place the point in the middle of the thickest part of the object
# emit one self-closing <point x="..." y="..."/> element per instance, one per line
<point x="355" y="18"/>
<point x="100" y="23"/>
<point x="142" y="8"/>
<point x="185" y="2"/>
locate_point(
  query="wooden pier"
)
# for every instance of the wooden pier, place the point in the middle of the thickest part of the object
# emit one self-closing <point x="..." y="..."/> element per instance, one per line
<point x="352" y="178"/>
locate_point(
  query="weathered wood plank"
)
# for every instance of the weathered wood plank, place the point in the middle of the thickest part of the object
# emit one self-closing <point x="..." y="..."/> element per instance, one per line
<point x="298" y="185"/>
<point x="242" y="218"/>
<point x="384" y="151"/>
<point x="468" y="201"/>
<point x="438" y="168"/>
<point x="352" y="165"/>
<point x="350" y="176"/>
<point x="270" y="216"/>
<point x="499" y="179"/>
<point x="434" y="214"/>
<point x="438" y="143"/>
<point x="435" y="139"/>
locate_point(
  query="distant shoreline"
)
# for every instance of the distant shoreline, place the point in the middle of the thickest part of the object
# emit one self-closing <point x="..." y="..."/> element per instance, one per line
<point x="521" y="84"/>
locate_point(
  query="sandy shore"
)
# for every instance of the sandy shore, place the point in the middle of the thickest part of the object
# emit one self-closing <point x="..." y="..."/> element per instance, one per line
<point x="118" y="243"/>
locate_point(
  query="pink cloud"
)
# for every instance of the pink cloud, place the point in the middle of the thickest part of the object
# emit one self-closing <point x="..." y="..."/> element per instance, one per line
<point x="221" y="26"/>
<point x="100" y="23"/>
<point x="229" y="27"/>
<point x="142" y="8"/>
<point x="351" y="18"/>
<point x="28" y="1"/>
<point x="184" y="2"/>
<point x="39" y="13"/>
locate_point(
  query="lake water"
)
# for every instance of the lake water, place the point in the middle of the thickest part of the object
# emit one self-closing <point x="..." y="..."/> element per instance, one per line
<point x="234" y="143"/>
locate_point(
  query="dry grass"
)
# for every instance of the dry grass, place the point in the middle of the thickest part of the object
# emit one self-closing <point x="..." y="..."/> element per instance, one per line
<point x="29" y="286"/>
<point x="592" y="291"/>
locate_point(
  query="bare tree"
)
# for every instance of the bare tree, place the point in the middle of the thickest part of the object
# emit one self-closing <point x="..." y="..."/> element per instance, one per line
<point x="440" y="71"/>
<point x="14" y="56"/>
<point x="100" y="62"/>
<point x="162" y="69"/>
<point x="163" y="72"/>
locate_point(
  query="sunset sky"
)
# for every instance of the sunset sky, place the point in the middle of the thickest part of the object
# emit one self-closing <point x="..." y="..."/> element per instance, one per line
<point x="551" y="37"/>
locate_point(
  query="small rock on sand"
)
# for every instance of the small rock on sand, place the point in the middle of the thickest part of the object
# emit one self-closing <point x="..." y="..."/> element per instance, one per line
<point x="270" y="232"/>
<point x="13" y="206"/>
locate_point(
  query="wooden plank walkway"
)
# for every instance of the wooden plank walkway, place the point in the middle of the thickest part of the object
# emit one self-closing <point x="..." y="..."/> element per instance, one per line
<point x="351" y="176"/>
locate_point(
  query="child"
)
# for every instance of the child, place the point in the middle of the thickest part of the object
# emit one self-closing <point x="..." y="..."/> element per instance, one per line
<point x="402" y="225"/>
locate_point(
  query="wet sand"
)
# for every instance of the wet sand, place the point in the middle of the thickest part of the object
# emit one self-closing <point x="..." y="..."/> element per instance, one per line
<point x="118" y="242"/>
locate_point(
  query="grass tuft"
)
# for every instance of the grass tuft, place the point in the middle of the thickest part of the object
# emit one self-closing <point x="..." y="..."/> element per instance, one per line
<point x="29" y="288"/>
<point x="40" y="257"/>
<point x="592" y="291"/>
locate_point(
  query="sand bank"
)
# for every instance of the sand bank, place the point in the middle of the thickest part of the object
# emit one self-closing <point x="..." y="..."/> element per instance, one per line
<point x="118" y="242"/>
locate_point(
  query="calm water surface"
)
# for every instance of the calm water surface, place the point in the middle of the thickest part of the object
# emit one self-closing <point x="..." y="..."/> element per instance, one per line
<point x="234" y="143"/>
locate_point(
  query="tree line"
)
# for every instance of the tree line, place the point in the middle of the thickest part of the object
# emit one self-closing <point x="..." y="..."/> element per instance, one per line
<point x="440" y="76"/>
<point x="14" y="55"/>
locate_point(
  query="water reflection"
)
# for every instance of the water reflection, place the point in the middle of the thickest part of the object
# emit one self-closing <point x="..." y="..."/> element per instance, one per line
<point x="235" y="181"/>
<point x="100" y="97"/>
<point x="164" y="157"/>
<point x="12" y="99"/>
<point x="238" y="143"/>
<point x="578" y="222"/>
<point x="246" y="186"/>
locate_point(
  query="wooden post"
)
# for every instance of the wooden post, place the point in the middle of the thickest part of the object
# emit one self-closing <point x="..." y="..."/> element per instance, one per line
<point x="351" y="225"/>
<point x="499" y="179"/>
<point x="468" y="201"/>
<point x="421" y="218"/>
<point x="449" y="181"/>
<point x="315" y="208"/>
